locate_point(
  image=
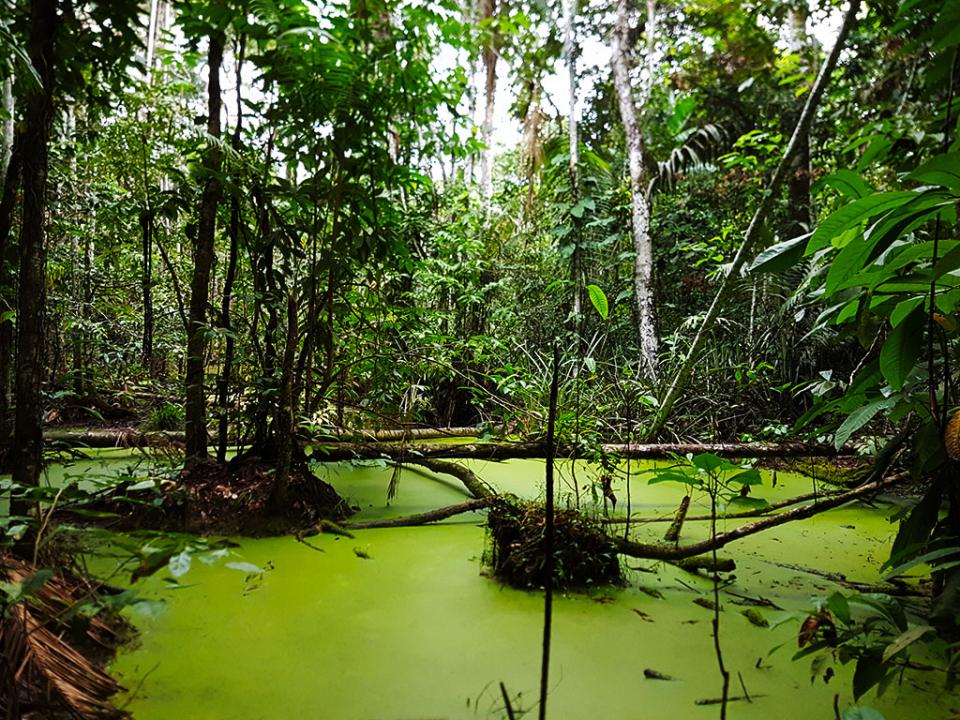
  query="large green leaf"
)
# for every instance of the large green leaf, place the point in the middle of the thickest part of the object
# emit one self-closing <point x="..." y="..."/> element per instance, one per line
<point x="902" y="349"/>
<point x="599" y="300"/>
<point x="939" y="170"/>
<point x="869" y="671"/>
<point x="851" y="215"/>
<point x="860" y="417"/>
<point x="904" y="308"/>
<point x="847" y="183"/>
<point x="781" y="256"/>
<point x="904" y="640"/>
<point x="858" y="712"/>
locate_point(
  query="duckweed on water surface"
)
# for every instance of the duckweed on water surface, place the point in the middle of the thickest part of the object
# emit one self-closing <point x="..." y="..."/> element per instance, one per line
<point x="416" y="631"/>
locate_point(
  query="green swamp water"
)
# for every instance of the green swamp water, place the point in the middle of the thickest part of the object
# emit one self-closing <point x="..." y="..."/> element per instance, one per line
<point x="417" y="632"/>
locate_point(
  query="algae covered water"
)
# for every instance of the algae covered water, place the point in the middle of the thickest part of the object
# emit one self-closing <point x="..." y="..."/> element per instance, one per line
<point x="403" y="624"/>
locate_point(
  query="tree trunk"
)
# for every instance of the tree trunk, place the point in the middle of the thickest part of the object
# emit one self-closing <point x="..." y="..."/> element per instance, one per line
<point x="28" y="430"/>
<point x="487" y="13"/>
<point x="196" y="410"/>
<point x="798" y="182"/>
<point x="642" y="244"/>
<point x="9" y="125"/>
<point x="223" y="387"/>
<point x="745" y="251"/>
<point x="570" y="53"/>
<point x="8" y="265"/>
<point x="146" y="287"/>
<point x="286" y="410"/>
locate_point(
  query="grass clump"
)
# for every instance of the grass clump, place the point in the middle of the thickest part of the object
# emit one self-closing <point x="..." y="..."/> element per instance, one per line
<point x="168" y="416"/>
<point x="585" y="556"/>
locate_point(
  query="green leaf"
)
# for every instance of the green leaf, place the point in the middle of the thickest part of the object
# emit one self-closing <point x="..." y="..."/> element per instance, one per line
<point x="781" y="256"/>
<point x="708" y="462"/>
<point x="858" y="712"/>
<point x="599" y="300"/>
<point x="851" y="215"/>
<point x="179" y="564"/>
<point x="923" y="559"/>
<point x="915" y="531"/>
<point x="939" y="170"/>
<point x="747" y="477"/>
<point x="868" y="673"/>
<point x="902" y="349"/>
<point x="904" y="308"/>
<point x="674" y="476"/>
<point x="838" y="605"/>
<point x="858" y="418"/>
<point x="847" y="183"/>
<point x="246" y="567"/>
<point x="906" y="639"/>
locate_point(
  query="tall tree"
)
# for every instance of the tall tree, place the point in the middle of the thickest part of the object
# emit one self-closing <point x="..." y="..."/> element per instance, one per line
<point x="487" y="11"/>
<point x="203" y="256"/>
<point x="629" y="111"/>
<point x="31" y="306"/>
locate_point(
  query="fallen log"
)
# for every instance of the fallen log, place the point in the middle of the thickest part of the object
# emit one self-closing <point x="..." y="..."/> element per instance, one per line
<point x="112" y="437"/>
<point x="705" y="562"/>
<point x="422" y="518"/>
<point x="339" y="451"/>
<point x="653" y="551"/>
<point x="404" y="433"/>
<point x="471" y="481"/>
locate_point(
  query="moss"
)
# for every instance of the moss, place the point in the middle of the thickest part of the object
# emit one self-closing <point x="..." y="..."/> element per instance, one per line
<point x="585" y="556"/>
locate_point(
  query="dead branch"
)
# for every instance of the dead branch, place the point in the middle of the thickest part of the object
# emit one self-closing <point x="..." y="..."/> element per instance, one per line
<point x="471" y="481"/>
<point x="759" y="512"/>
<point x="673" y="552"/>
<point x="423" y="518"/>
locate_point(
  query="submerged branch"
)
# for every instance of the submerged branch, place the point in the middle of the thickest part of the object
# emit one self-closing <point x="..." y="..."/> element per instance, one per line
<point x="474" y="485"/>
<point x="671" y="552"/>
<point x="758" y="512"/>
<point x="422" y="518"/>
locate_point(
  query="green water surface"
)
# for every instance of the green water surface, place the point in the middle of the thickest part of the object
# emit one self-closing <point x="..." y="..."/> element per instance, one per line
<point x="416" y="631"/>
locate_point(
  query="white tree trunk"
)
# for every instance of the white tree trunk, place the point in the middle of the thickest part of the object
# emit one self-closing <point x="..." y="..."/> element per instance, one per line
<point x="6" y="143"/>
<point x="642" y="245"/>
<point x="488" y="10"/>
<point x="570" y="60"/>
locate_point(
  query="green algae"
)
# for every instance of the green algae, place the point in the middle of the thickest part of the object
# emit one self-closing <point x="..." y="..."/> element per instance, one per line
<point x="417" y="631"/>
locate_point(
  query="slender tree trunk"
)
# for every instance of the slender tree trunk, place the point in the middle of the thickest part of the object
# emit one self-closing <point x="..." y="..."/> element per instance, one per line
<point x="9" y="125"/>
<point x="642" y="244"/>
<point x="286" y="410"/>
<point x="223" y="386"/>
<point x="798" y="183"/>
<point x="753" y="230"/>
<point x="8" y="280"/>
<point x="196" y="410"/>
<point x="487" y="12"/>
<point x="146" y="287"/>
<point x="28" y="430"/>
<point x="570" y="53"/>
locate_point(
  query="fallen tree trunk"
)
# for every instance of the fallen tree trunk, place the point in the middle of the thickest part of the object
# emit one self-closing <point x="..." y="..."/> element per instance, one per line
<point x="334" y="452"/>
<point x="113" y="437"/>
<point x="471" y="481"/>
<point x="404" y="433"/>
<point x="422" y="518"/>
<point x="337" y="451"/>
<point x="652" y="551"/>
